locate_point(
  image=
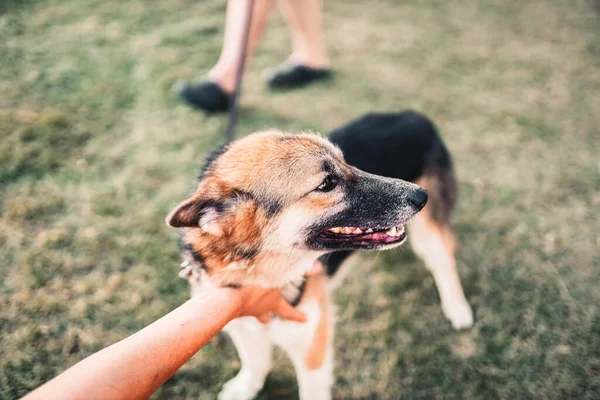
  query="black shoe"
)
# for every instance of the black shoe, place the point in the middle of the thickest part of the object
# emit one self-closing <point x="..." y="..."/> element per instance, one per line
<point x="207" y="96"/>
<point x="296" y="76"/>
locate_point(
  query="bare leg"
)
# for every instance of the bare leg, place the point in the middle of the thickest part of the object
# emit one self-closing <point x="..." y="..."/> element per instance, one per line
<point x="225" y="70"/>
<point x="304" y="20"/>
<point x="309" y="55"/>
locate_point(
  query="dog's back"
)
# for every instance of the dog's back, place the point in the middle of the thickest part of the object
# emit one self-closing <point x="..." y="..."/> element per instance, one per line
<point x="400" y="145"/>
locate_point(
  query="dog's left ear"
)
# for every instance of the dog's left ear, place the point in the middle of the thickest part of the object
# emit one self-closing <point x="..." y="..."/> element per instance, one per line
<point x="197" y="213"/>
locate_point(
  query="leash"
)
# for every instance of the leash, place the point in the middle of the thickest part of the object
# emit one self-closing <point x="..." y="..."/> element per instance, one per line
<point x="234" y="97"/>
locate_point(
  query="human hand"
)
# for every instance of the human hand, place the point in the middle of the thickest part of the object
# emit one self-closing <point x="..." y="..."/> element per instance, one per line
<point x="260" y="302"/>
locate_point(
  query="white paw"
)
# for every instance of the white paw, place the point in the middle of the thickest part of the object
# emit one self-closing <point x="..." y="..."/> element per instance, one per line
<point x="242" y="387"/>
<point x="459" y="314"/>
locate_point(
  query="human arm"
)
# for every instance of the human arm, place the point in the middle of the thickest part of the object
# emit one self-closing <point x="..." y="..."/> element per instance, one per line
<point x="138" y="365"/>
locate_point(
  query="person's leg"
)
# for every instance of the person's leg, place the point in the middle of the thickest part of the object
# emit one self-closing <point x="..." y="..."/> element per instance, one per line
<point x="214" y="94"/>
<point x="225" y="70"/>
<point x="309" y="61"/>
<point x="304" y="19"/>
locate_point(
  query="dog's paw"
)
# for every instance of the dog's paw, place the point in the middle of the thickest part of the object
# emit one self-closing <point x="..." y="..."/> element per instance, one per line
<point x="242" y="387"/>
<point x="460" y="315"/>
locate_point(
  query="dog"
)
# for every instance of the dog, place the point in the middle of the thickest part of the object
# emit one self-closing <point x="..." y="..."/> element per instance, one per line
<point x="268" y="205"/>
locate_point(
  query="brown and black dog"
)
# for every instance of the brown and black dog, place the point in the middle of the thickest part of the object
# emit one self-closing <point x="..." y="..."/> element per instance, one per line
<point x="269" y="204"/>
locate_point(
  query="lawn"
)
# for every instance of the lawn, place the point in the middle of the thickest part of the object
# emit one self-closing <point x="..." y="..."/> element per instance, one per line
<point x="95" y="149"/>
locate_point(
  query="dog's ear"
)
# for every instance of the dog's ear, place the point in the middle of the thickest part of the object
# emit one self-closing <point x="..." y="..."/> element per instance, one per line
<point x="197" y="213"/>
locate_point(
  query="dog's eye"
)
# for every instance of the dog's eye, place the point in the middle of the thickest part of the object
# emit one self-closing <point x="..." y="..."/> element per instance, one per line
<point x="328" y="184"/>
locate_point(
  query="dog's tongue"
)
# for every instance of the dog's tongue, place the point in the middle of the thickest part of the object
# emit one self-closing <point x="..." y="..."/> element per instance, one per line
<point x="382" y="237"/>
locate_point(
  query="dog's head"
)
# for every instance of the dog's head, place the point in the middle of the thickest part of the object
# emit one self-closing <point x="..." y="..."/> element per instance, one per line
<point x="272" y="194"/>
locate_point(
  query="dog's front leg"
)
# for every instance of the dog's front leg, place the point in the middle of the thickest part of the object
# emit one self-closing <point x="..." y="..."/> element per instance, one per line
<point x="310" y="344"/>
<point x="314" y="380"/>
<point x="434" y="243"/>
<point x="255" y="350"/>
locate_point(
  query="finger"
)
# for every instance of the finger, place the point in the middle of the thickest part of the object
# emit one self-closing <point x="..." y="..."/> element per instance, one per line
<point x="286" y="311"/>
<point x="317" y="268"/>
<point x="264" y="318"/>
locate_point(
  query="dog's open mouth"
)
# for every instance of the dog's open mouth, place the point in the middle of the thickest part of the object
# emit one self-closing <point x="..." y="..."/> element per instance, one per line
<point x="363" y="235"/>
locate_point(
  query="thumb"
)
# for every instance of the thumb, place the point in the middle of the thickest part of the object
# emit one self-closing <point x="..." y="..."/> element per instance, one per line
<point x="286" y="311"/>
<point x="317" y="268"/>
<point x="264" y="318"/>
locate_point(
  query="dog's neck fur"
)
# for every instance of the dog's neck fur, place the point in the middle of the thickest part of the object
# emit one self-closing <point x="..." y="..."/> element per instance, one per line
<point x="268" y="269"/>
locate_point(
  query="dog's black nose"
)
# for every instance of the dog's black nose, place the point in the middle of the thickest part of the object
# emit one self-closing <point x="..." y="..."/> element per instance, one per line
<point x="418" y="198"/>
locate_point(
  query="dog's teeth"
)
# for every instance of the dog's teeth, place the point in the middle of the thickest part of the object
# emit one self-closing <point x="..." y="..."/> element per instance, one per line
<point x="346" y="230"/>
<point x="369" y="230"/>
<point x="358" y="231"/>
<point x="392" y="231"/>
<point x="335" y="230"/>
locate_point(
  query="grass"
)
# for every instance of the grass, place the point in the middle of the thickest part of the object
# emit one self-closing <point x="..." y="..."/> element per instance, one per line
<point x="95" y="150"/>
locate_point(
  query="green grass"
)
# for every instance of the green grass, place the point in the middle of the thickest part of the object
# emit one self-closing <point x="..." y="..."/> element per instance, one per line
<point x="95" y="149"/>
